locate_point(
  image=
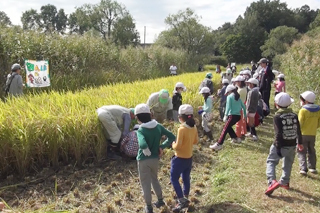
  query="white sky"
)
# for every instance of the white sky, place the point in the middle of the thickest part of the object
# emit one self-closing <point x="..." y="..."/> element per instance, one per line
<point x="151" y="13"/>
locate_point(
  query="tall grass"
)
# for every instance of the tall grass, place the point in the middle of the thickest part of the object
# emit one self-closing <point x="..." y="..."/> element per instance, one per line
<point x="301" y="65"/>
<point x="77" y="62"/>
<point x="49" y="128"/>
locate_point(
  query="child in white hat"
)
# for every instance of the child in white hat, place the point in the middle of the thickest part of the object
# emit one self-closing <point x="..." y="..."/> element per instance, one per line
<point x="149" y="135"/>
<point x="280" y="85"/>
<point x="223" y="98"/>
<point x="206" y="111"/>
<point x="287" y="133"/>
<point x="309" y="118"/>
<point x="177" y="99"/>
<point x="232" y="116"/>
<point x="181" y="162"/>
<point x="241" y="126"/>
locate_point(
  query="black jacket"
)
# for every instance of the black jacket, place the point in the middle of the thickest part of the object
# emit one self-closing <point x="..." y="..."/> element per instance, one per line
<point x="176" y="101"/>
<point x="266" y="80"/>
<point x="287" y="128"/>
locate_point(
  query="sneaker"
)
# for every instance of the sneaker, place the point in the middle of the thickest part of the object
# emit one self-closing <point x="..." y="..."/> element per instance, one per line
<point x="236" y="140"/>
<point x="159" y="203"/>
<point x="313" y="171"/>
<point x="302" y="172"/>
<point x="285" y="186"/>
<point x="148" y="209"/>
<point x="248" y="135"/>
<point x="216" y="146"/>
<point x="254" y="137"/>
<point x="272" y="186"/>
<point x="182" y="203"/>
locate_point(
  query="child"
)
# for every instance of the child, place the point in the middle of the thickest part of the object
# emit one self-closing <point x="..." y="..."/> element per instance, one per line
<point x="205" y="111"/>
<point x="177" y="99"/>
<point x="149" y="135"/>
<point x="287" y="132"/>
<point x="280" y="85"/>
<point x="232" y="116"/>
<point x="223" y="98"/>
<point x="181" y="163"/>
<point x="309" y="118"/>
<point x="241" y="126"/>
<point x="253" y="98"/>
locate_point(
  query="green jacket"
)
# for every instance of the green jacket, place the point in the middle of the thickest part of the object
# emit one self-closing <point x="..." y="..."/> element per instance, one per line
<point x="149" y="136"/>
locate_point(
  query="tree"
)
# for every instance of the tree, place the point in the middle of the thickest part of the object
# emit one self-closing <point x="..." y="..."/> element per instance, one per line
<point x="104" y="15"/>
<point x="234" y="48"/>
<point x="315" y="23"/>
<point x="4" y="19"/>
<point x="187" y="33"/>
<point x="278" y="41"/>
<point x="48" y="20"/>
<point x="79" y="21"/>
<point x="30" y="20"/>
<point x="124" y="32"/>
<point x="304" y="16"/>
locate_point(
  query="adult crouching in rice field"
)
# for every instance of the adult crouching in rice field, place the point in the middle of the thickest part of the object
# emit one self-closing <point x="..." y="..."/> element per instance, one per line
<point x="161" y="106"/>
<point x="232" y="116"/>
<point x="267" y="77"/>
<point x="116" y="122"/>
<point x="207" y="82"/>
<point x="14" y="83"/>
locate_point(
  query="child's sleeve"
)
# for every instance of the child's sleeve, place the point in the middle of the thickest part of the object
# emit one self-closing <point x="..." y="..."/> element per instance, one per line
<point x="228" y="105"/>
<point x="299" y="133"/>
<point x="141" y="140"/>
<point x="177" y="145"/>
<point x="278" y="131"/>
<point x="170" y="138"/>
<point x="207" y="104"/>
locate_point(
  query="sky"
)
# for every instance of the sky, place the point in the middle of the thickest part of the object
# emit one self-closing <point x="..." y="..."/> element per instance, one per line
<point x="152" y="13"/>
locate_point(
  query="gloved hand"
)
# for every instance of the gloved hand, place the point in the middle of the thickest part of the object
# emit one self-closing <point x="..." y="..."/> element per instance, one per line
<point x="225" y="118"/>
<point x="279" y="152"/>
<point x="146" y="152"/>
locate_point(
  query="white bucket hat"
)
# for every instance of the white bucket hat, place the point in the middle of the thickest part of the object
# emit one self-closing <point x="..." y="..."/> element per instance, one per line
<point x="185" y="109"/>
<point x="204" y="90"/>
<point x="225" y="81"/>
<point x="180" y="84"/>
<point x="253" y="81"/>
<point x="141" y="108"/>
<point x="280" y="76"/>
<point x="309" y="96"/>
<point x="239" y="78"/>
<point x="230" y="88"/>
<point x="283" y="99"/>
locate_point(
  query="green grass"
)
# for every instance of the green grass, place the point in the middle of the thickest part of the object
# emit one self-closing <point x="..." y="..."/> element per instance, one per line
<point x="232" y="180"/>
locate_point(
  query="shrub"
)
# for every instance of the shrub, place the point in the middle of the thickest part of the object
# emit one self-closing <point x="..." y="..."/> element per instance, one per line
<point x="221" y="60"/>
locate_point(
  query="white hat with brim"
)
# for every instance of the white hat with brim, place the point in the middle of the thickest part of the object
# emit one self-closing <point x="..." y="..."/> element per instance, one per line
<point x="230" y="88"/>
<point x="185" y="109"/>
<point x="204" y="90"/>
<point x="141" y="108"/>
<point x="239" y="78"/>
<point x="181" y="85"/>
<point x="225" y="81"/>
<point x="246" y="72"/>
<point x="280" y="76"/>
<point x="283" y="99"/>
<point x="263" y="60"/>
<point x="253" y="81"/>
<point x="309" y="96"/>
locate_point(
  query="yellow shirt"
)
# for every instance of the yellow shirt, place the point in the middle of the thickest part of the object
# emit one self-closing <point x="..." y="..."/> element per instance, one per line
<point x="243" y="94"/>
<point x="309" y="121"/>
<point x="186" y="138"/>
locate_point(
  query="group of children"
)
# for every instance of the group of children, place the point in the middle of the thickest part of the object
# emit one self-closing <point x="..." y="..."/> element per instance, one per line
<point x="239" y="103"/>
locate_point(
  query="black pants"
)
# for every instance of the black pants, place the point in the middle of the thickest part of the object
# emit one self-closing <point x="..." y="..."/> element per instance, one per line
<point x="232" y="120"/>
<point x="266" y="97"/>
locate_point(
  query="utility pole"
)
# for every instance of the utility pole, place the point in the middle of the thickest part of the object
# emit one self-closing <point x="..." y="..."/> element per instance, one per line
<point x="144" y="42"/>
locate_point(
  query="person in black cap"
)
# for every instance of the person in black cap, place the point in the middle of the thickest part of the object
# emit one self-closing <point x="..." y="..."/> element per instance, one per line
<point x="267" y="77"/>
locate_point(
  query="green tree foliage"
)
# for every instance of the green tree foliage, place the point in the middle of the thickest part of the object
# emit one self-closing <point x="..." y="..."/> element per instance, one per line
<point x="315" y="23"/>
<point x="234" y="48"/>
<point x="4" y="19"/>
<point x="187" y="33"/>
<point x="79" y="21"/>
<point x="278" y="41"/>
<point x="124" y="32"/>
<point x="48" y="20"/>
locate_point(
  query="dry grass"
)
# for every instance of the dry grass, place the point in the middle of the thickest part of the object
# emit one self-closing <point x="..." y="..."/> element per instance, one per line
<point x="232" y="180"/>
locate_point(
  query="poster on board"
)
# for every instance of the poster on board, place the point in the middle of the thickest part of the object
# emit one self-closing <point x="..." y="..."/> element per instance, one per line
<point x="37" y="73"/>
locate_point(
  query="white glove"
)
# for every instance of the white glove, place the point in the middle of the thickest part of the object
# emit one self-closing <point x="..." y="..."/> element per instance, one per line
<point x="225" y="118"/>
<point x="146" y="152"/>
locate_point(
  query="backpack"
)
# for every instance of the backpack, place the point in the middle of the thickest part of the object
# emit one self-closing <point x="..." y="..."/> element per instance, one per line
<point x="7" y="86"/>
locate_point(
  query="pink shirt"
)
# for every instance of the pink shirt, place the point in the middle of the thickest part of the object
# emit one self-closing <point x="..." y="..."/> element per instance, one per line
<point x="280" y="85"/>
